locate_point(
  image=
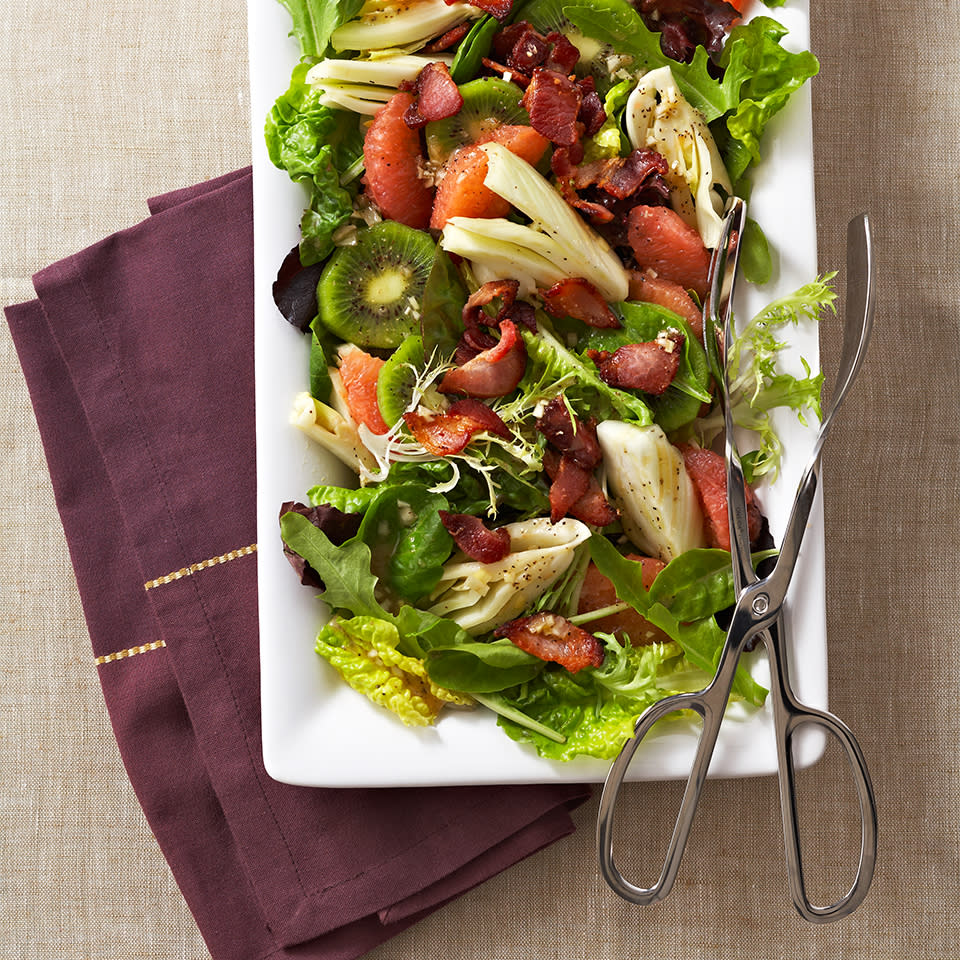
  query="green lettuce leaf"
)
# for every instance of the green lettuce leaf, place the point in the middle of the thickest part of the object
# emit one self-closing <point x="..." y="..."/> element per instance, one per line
<point x="765" y="76"/>
<point x="315" y="20"/>
<point x="596" y="709"/>
<point x="316" y="145"/>
<point x="407" y="539"/>
<point x="364" y="651"/>
<point x="757" y="386"/>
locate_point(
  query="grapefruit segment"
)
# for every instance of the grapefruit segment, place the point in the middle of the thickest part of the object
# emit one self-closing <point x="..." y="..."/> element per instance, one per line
<point x="391" y="155"/>
<point x="668" y="294"/>
<point x="662" y="242"/>
<point x="359" y="372"/>
<point x="598" y="592"/>
<point x="462" y="193"/>
<point x="708" y="471"/>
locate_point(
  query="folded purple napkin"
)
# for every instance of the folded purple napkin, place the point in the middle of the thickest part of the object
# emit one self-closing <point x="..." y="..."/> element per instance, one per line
<point x="139" y="359"/>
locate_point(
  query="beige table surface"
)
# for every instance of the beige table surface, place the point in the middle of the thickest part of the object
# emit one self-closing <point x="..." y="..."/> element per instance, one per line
<point x="103" y="103"/>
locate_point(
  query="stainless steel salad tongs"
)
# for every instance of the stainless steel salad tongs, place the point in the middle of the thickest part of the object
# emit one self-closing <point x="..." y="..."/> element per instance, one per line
<point x="757" y="613"/>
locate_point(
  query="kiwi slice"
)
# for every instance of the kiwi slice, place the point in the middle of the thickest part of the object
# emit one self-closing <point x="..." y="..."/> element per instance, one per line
<point x="370" y="293"/>
<point x="547" y="16"/>
<point x="487" y="103"/>
<point x="398" y="377"/>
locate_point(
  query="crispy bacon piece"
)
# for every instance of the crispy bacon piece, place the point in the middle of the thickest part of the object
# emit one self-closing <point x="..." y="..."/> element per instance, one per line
<point x="476" y="338"/>
<point x="452" y="37"/>
<point x="578" y="298"/>
<point x="563" y="53"/>
<point x="436" y="96"/>
<point x="475" y="538"/>
<point x="552" y="100"/>
<point x="570" y="483"/>
<point x="493" y="372"/>
<point x="575" y="439"/>
<point x="448" y="433"/>
<point x="496" y="8"/>
<point x="553" y="638"/>
<point x="521" y="49"/>
<point x="650" y="367"/>
<point x="592" y="114"/>
<point x="592" y="507"/>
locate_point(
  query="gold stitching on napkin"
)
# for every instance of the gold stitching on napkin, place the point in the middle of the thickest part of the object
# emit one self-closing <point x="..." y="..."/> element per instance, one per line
<point x="129" y="652"/>
<point x="202" y="565"/>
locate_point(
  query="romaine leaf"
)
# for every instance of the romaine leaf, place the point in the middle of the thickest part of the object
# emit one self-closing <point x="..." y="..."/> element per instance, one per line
<point x="315" y="144"/>
<point x="347" y="499"/>
<point x="764" y="75"/>
<point x="363" y="650"/>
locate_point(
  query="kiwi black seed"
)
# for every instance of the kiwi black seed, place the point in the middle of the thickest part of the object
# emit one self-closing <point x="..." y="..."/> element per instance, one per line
<point x="487" y="103"/>
<point x="370" y="293"/>
<point x="547" y="16"/>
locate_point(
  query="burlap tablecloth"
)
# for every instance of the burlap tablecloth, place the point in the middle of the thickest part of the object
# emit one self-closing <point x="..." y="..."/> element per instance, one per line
<point x="103" y="104"/>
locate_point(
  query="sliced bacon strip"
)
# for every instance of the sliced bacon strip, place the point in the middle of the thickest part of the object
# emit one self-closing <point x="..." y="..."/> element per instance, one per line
<point x="555" y="639"/>
<point x="569" y="484"/>
<point x="475" y="338"/>
<point x="436" y="96"/>
<point x="492" y="373"/>
<point x="475" y="538"/>
<point x="452" y="37"/>
<point x="592" y="507"/>
<point x="552" y="100"/>
<point x="578" y="298"/>
<point x="574" y="438"/>
<point x="448" y="433"/>
<point x="513" y="76"/>
<point x="650" y="367"/>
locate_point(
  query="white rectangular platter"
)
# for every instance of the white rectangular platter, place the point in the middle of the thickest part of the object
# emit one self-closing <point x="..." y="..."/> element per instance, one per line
<point x="319" y="732"/>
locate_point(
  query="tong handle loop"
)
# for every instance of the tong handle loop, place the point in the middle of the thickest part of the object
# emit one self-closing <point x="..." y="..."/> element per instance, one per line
<point x="709" y="704"/>
<point x="789" y="716"/>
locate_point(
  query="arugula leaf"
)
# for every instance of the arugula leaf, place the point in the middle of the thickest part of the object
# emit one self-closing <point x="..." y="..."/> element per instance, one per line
<point x="345" y="570"/>
<point x="755" y="259"/>
<point x="315" y="20"/>
<point x="698" y="583"/>
<point x="477" y="667"/>
<point x="701" y="640"/>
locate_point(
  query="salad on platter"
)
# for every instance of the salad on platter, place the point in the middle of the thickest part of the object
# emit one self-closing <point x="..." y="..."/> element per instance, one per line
<point x="505" y="250"/>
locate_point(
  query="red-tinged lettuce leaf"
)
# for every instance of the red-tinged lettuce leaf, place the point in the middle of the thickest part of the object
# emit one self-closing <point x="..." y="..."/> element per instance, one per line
<point x="335" y="524"/>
